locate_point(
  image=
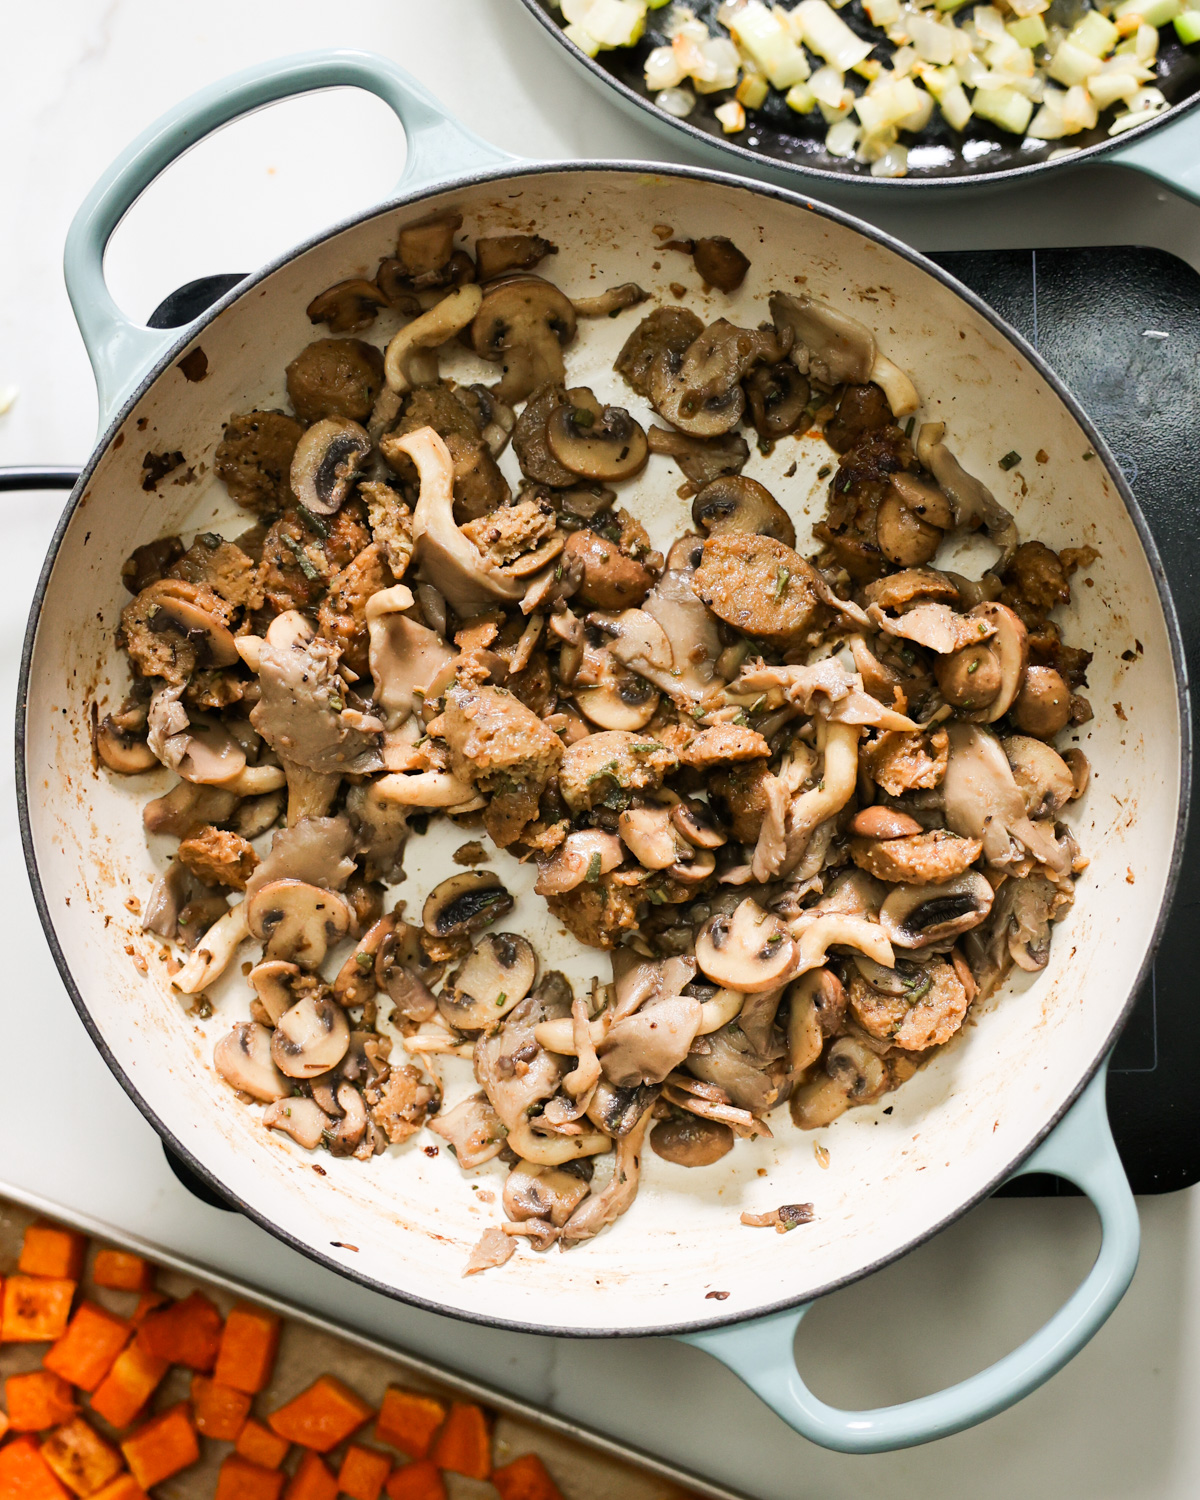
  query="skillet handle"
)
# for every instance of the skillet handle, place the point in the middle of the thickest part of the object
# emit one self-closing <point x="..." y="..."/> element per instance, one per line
<point x="1172" y="154"/>
<point x="1081" y="1150"/>
<point x="121" y="351"/>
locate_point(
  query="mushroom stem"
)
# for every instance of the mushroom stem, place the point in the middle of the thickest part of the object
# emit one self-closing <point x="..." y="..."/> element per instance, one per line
<point x="553" y="1150"/>
<point x="586" y="1074"/>
<point x="450" y="316"/>
<point x="839" y="777"/>
<point x="214" y="951"/>
<point x="816" y="934"/>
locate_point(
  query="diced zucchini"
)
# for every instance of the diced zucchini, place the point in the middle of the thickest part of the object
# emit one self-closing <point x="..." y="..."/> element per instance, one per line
<point x="1071" y="65"/>
<point x="1004" y="107"/>
<point x="1187" y="27"/>
<point x="1094" y="33"/>
<point x="1153" y="12"/>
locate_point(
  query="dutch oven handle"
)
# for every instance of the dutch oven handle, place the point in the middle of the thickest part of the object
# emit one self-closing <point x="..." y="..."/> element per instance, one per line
<point x="1170" y="152"/>
<point x="122" y="351"/>
<point x="1081" y="1150"/>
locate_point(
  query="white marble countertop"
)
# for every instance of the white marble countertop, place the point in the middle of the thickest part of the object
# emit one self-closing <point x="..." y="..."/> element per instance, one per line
<point x="78" y="81"/>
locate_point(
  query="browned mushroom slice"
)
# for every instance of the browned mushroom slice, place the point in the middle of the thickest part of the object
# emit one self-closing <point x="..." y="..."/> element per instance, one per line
<point x="1011" y="647"/>
<point x="465" y="903"/>
<point x="904" y="537"/>
<point x="271" y="982"/>
<point x="736" y="503"/>
<point x="411" y="359"/>
<point x="749" y="951"/>
<point x="608" y="304"/>
<point x="497" y="254"/>
<point x="1045" y="778"/>
<point x="698" y="824"/>
<point x="667" y="329"/>
<point x="424" y="247"/>
<point x="883" y="823"/>
<point x="303" y="1119"/>
<point x="596" y="442"/>
<point x="778" y="396"/>
<point x="493" y="418"/>
<point x="620" y="699"/>
<point x="925" y="500"/>
<point x="583" y="855"/>
<point x="347" y="306"/>
<point x="649" y="836"/>
<point x="914" y="915"/>
<point x="701" y="460"/>
<point x="401" y="971"/>
<point x="969" y="678"/>
<point x="310" y="1038"/>
<point x="689" y="1141"/>
<point x="720" y="262"/>
<point x="243" y="1059"/>
<point x="327" y="462"/>
<point x="523" y="324"/>
<point x="153" y="560"/>
<point x="297" y="921"/>
<point x="123" y="750"/>
<point x="496" y="976"/>
<point x="1042" y="707"/>
<point x="530" y="439"/>
<point x="175" y="604"/>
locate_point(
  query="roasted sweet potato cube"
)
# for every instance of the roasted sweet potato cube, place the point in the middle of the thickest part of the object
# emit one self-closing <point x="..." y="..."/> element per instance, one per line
<point x="320" y="1417"/>
<point x="417" y="1481"/>
<point x="38" y="1401"/>
<point x="185" y="1333"/>
<point x="122" y="1272"/>
<point x="260" y="1446"/>
<point x="311" y="1481"/>
<point x="80" y="1457"/>
<point x="36" y="1309"/>
<point x="25" y="1474"/>
<point x="248" y="1346"/>
<point x="408" y="1420"/>
<point x="240" y="1480"/>
<point x="220" y="1411"/>
<point x="464" y="1445"/>
<point x="162" y="1446"/>
<point x="49" y="1250"/>
<point x="123" y="1487"/>
<point x="363" y="1472"/>
<point x="526" y="1478"/>
<point x="127" y="1387"/>
<point x="85" y="1353"/>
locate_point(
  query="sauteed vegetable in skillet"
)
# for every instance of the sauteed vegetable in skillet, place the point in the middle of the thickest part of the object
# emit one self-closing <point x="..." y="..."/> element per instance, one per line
<point x="800" y="794"/>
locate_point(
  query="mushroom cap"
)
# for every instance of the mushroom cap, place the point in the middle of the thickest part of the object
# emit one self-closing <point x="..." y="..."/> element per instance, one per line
<point x="778" y="397"/>
<point x="124" y="753"/>
<point x="689" y="1141"/>
<point x="1043" y="705"/>
<point x="525" y="323"/>
<point x="574" y="859"/>
<point x="707" y="414"/>
<point x="271" y="981"/>
<point x="1044" y="777"/>
<point x="697" y="823"/>
<point x="303" y="1119"/>
<point x="860" y="1071"/>
<point x="297" y="921"/>
<point x="465" y="903"/>
<point x="327" y="462"/>
<point x="925" y="500"/>
<point x="736" y="503"/>
<point x="495" y="976"/>
<point x="311" y="1037"/>
<point x="606" y="444"/>
<point x="649" y="836"/>
<point x="199" y="625"/>
<point x="751" y="950"/>
<point x="243" y="1059"/>
<point x="916" y="915"/>
<point x="1011" y="645"/>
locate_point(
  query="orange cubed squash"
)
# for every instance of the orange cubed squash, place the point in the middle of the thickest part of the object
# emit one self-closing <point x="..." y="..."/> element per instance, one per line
<point x="408" y="1420"/>
<point x="146" y="1304"/>
<point x="240" y="1480"/>
<point x="260" y="1445"/>
<point x="418" y="1481"/>
<point x="36" y="1309"/>
<point x="184" y="1333"/>
<point x="25" y="1474"/>
<point x="363" y="1472"/>
<point x="526" y="1478"/>
<point x="321" y="1416"/>
<point x="464" y="1445"/>
<point x="48" y="1250"/>
<point x="127" y="1387"/>
<point x="38" y="1401"/>
<point x="122" y="1272"/>
<point x="85" y="1353"/>
<point x="311" y="1481"/>
<point x="123" y="1487"/>
<point x="220" y="1411"/>
<point x="80" y="1457"/>
<point x="249" y="1343"/>
<point x="5" y="1424"/>
<point x="162" y="1446"/>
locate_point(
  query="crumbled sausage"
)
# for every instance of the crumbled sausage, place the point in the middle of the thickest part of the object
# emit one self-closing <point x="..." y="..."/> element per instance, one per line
<point x="850" y="526"/>
<point x="223" y="567"/>
<point x="335" y="378"/>
<point x="742" y="790"/>
<point x="342" y="617"/>
<point x="597" y="912"/>
<point x="302" y="553"/>
<point x="1035" y="582"/>
<point x="218" y="857"/>
<point x="724" y="743"/>
<point x="901" y="761"/>
<point x="505" y="750"/>
<point x="399" y="1103"/>
<point x="605" y="767"/>
<point x="861" y="409"/>
<point x="512" y="530"/>
<point x="254" y="459"/>
<point x="927" y="1016"/>
<point x="391" y="523"/>
<point x="159" y="649"/>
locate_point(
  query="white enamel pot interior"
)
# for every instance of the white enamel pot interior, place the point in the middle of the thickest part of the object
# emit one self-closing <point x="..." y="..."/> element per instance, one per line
<point x="893" y="1178"/>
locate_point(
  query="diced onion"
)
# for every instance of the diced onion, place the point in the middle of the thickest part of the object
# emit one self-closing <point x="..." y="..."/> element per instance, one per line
<point x="677" y="102"/>
<point x="841" y="138"/>
<point x="893" y="163"/>
<point x="732" y="116"/>
<point x="663" y="70"/>
<point x="826" y="34"/>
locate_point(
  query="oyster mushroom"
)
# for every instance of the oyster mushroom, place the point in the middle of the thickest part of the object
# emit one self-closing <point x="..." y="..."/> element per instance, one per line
<point x="310" y="1038"/>
<point x="584" y="855"/>
<point x="616" y="299"/>
<point x="735" y="503"/>
<point x="496" y="976"/>
<point x="982" y="800"/>
<point x="347" y="1134"/>
<point x="596" y="442"/>
<point x="816" y="931"/>
<point x="904" y="537"/>
<point x="916" y="915"/>
<point x="425" y="247"/>
<point x="303" y="1119"/>
<point x="524" y="324"/>
<point x="271" y="982"/>
<point x="1042" y="707"/>
<point x="409" y="360"/>
<point x="401" y="970"/>
<point x="971" y="500"/>
<point x="465" y="903"/>
<point x="327" y="463"/>
<point x="829" y="344"/>
<point x="214" y="951"/>
<point x="689" y="1141"/>
<point x="1029" y="909"/>
<point x="896" y="385"/>
<point x="407" y="658"/>
<point x="750" y="950"/>
<point x="297" y="921"/>
<point x="819" y="1103"/>
<point x="1042" y="774"/>
<point x="243" y="1059"/>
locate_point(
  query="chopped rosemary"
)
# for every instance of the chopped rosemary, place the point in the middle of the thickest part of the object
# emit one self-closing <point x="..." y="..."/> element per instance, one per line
<point x="364" y="961"/>
<point x="782" y="576"/>
<point x="909" y="425"/>
<point x="313" y="522"/>
<point x="302" y="559"/>
<point x="502" y="997"/>
<point x="973" y="668"/>
<point x="593" y="869"/>
<point x="824" y="471"/>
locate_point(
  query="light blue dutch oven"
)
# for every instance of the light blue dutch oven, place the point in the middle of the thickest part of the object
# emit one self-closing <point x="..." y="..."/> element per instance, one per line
<point x="1022" y="1090"/>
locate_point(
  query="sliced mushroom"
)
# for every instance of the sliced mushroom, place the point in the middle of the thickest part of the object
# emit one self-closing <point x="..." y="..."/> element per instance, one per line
<point x="554" y="1150"/>
<point x="819" y="1103"/>
<point x="243" y="1059"/>
<point x="310" y="1038"/>
<point x="1081" y="771"/>
<point x="426" y="246"/>
<point x="542" y="1193"/>
<point x="498" y="254"/>
<point x="174" y="606"/>
<point x="883" y="823"/>
<point x="584" y="855"/>
<point x="496" y="976"/>
<point x="701" y="460"/>
<point x="925" y="500"/>
<point x="465" y="903"/>
<point x="523" y="323"/>
<point x="860" y="1071"/>
<point x="257" y="814"/>
<point x="186" y="807"/>
<point x="831" y="345"/>
<point x="214" y="951"/>
<point x="649" y="836"/>
<point x="896" y="384"/>
<point x="969" y="678"/>
<point x="409" y="360"/>
<point x="689" y="1141"/>
<point x="355" y="983"/>
<point x="778" y="396"/>
<point x="693" y="866"/>
<point x="1029" y="907"/>
<point x="736" y="503"/>
<point x="272" y="984"/>
<point x="719" y="261"/>
<point x="904" y="538"/>
<point x="425" y="789"/>
<point x="620" y="700"/>
<point x="983" y="801"/>
<point x="817" y="931"/>
<point x="916" y="915"/>
<point x="346" y="1137"/>
<point x="750" y="950"/>
<point x="1042" y="706"/>
<point x="1044" y="777"/>
<point x="122" y="751"/>
<point x="401" y="971"/>
<point x="1011" y="647"/>
<point x="347" y="306"/>
<point x="494" y="419"/>
<point x="698" y="391"/>
<point x="327" y="462"/>
<point x="817" y="1002"/>
<point x="297" y="921"/>
<point x="303" y="1119"/>
<point x="610" y="302"/>
<point x="698" y="824"/>
<point x="596" y="442"/>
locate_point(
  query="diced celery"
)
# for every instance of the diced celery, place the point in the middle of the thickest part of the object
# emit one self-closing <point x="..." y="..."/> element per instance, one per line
<point x="1004" y="107"/>
<point x="1187" y="27"/>
<point x="955" y="106"/>
<point x="1029" y="32"/>
<point x="1072" y="65"/>
<point x="1094" y="33"/>
<point x="801" y="99"/>
<point x="1153" y="12"/>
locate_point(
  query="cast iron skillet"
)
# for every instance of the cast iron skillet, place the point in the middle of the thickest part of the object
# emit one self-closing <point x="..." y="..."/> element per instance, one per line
<point x="777" y="140"/>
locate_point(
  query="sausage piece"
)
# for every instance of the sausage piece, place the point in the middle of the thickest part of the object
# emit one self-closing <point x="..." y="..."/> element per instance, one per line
<point x="757" y="585"/>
